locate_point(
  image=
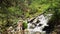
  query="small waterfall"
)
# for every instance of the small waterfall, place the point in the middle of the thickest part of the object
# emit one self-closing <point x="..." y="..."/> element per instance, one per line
<point x="39" y="26"/>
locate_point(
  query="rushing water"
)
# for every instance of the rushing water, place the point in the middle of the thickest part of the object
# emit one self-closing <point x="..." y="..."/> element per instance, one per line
<point x="43" y="22"/>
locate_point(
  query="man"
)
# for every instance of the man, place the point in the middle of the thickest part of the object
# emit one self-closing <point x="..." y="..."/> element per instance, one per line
<point x="21" y="26"/>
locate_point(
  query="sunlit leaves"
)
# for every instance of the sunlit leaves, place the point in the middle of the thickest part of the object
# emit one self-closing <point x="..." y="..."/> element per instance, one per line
<point x="12" y="10"/>
<point x="39" y="6"/>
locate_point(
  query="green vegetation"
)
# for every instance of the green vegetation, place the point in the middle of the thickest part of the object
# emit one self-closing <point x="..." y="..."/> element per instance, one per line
<point x="25" y="25"/>
<point x="13" y="10"/>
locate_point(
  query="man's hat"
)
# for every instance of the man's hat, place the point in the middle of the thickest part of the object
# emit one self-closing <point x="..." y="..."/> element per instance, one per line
<point x="19" y="21"/>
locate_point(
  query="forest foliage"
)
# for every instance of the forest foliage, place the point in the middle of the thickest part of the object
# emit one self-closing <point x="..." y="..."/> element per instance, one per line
<point x="13" y="10"/>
